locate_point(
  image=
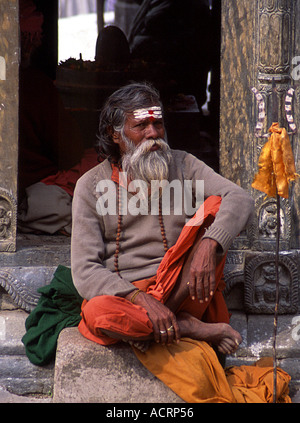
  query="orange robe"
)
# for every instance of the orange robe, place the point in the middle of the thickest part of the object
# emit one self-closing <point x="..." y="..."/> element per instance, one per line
<point x="119" y="315"/>
<point x="191" y="368"/>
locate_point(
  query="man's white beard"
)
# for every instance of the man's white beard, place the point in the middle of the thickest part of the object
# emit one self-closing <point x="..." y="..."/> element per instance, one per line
<point x="141" y="163"/>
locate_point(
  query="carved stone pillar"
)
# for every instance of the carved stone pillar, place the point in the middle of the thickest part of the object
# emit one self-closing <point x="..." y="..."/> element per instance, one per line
<point x="9" y="99"/>
<point x="259" y="41"/>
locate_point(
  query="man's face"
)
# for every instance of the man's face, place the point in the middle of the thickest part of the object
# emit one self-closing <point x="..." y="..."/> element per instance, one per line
<point x="138" y="130"/>
<point x="145" y="153"/>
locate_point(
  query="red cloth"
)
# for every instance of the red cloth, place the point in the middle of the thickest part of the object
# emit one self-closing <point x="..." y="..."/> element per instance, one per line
<point x="121" y="316"/>
<point x="66" y="179"/>
<point x="49" y="137"/>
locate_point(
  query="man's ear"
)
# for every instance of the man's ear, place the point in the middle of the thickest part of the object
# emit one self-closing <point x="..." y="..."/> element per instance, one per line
<point x="116" y="136"/>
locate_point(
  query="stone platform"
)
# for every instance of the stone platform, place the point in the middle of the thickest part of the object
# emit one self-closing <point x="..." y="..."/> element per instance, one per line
<point x="86" y="372"/>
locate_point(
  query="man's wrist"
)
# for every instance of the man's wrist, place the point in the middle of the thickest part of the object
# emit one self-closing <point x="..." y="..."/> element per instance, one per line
<point x="212" y="243"/>
<point x="133" y="295"/>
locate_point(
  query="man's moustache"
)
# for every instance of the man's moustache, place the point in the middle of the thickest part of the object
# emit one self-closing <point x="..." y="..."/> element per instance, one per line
<point x="152" y="145"/>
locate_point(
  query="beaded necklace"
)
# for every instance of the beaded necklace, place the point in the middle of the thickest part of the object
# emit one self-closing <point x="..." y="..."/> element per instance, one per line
<point x="119" y="230"/>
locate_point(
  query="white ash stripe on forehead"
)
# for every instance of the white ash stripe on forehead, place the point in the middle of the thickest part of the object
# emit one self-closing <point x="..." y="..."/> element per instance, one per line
<point x="151" y="112"/>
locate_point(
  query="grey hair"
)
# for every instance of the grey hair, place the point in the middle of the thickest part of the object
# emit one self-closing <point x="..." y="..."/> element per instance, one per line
<point x="113" y="115"/>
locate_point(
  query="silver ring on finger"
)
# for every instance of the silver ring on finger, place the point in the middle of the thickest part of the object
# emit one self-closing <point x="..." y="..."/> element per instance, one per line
<point x="163" y="331"/>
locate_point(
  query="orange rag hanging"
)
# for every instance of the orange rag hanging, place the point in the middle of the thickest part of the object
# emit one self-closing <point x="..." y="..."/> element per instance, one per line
<point x="276" y="164"/>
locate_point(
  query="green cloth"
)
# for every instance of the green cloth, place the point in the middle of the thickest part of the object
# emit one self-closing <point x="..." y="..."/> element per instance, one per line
<point x="59" y="306"/>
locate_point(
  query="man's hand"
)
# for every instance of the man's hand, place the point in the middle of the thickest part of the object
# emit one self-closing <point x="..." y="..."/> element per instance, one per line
<point x="165" y="326"/>
<point x="202" y="280"/>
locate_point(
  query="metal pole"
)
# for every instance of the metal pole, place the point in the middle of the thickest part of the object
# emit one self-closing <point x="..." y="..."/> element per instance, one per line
<point x="277" y="299"/>
<point x="275" y="119"/>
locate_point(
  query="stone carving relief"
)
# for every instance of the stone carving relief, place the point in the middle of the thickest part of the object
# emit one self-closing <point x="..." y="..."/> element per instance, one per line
<point x="22" y="284"/>
<point x="275" y="17"/>
<point x="275" y="47"/>
<point x="260" y="284"/>
<point x="8" y="221"/>
<point x="262" y="232"/>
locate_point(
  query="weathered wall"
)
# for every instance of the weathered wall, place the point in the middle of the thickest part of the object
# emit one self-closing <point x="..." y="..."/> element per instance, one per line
<point x="237" y="78"/>
<point x="259" y="41"/>
<point x="9" y="99"/>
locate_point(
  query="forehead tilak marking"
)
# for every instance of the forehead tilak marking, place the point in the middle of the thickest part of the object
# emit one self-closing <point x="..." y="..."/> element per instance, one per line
<point x="154" y="112"/>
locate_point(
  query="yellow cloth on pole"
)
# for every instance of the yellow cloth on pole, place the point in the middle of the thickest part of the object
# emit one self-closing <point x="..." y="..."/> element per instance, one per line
<point x="192" y="370"/>
<point x="276" y="164"/>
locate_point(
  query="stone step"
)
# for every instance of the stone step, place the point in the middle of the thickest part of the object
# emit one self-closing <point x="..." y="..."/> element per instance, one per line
<point x="17" y="374"/>
<point x="21" y="274"/>
<point x="257" y="332"/>
<point x="12" y="329"/>
<point x="86" y="372"/>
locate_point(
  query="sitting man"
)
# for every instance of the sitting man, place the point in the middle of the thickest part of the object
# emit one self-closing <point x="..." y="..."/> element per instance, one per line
<point x="152" y="273"/>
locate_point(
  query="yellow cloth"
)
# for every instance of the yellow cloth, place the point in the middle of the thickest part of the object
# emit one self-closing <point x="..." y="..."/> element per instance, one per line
<point x="255" y="383"/>
<point x="276" y="164"/>
<point x="192" y="370"/>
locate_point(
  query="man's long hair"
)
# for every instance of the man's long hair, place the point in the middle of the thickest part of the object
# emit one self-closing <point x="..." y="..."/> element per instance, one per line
<point x="113" y="115"/>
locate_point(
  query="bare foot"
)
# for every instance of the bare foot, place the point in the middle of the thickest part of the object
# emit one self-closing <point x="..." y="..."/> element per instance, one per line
<point x="222" y="335"/>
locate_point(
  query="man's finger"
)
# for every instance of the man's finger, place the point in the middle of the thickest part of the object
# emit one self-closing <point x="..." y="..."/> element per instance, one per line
<point x="212" y="284"/>
<point x="177" y="334"/>
<point x="199" y="288"/>
<point x="156" y="333"/>
<point x="163" y="335"/>
<point x="173" y="332"/>
<point x="192" y="287"/>
<point x="170" y="334"/>
<point x="206" y="286"/>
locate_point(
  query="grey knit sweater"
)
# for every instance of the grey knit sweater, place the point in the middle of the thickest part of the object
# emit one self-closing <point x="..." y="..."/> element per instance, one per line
<point x="93" y="242"/>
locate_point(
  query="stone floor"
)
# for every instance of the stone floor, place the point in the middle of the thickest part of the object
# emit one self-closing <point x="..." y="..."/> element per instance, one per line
<point x="7" y="397"/>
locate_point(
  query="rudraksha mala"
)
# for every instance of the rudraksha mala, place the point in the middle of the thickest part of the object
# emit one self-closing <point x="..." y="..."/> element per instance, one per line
<point x="119" y="230"/>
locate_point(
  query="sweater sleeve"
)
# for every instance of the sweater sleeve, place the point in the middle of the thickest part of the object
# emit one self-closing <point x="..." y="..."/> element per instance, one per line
<point x="91" y="278"/>
<point x="237" y="207"/>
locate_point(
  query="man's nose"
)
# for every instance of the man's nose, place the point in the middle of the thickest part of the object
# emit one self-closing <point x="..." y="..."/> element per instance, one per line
<point x="152" y="131"/>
